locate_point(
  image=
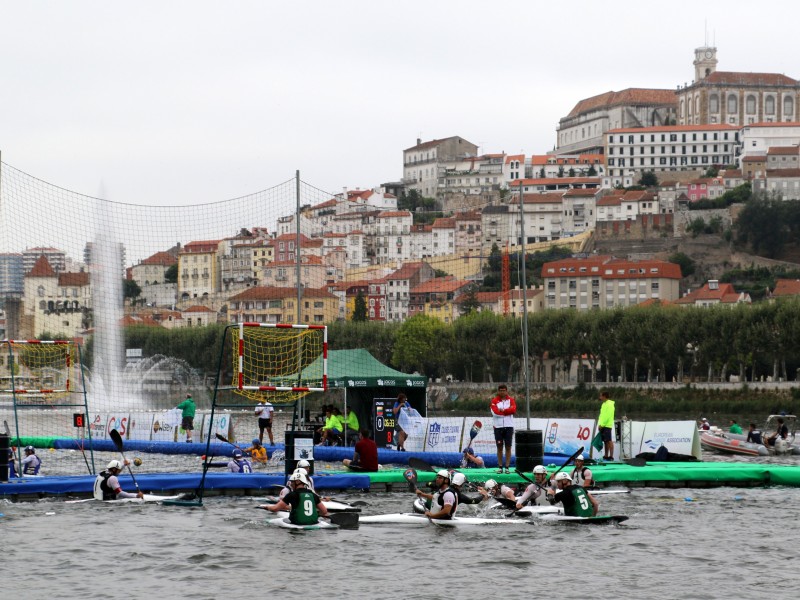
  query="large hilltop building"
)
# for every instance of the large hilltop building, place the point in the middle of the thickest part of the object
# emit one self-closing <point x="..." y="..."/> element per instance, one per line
<point x="582" y="130"/>
<point x="735" y="98"/>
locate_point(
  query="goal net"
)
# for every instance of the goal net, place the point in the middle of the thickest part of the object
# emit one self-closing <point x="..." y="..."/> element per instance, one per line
<point x="42" y="396"/>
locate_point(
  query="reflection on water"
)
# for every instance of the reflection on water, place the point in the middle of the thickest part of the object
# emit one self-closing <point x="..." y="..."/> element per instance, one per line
<point x="715" y="543"/>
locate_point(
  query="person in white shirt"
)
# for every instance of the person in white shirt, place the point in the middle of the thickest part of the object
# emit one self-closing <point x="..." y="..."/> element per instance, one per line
<point x="264" y="413"/>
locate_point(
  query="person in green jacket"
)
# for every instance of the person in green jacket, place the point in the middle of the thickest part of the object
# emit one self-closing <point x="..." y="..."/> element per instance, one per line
<point x="351" y="425"/>
<point x="332" y="430"/>
<point x="187" y="416"/>
<point x="605" y="423"/>
<point x="735" y="427"/>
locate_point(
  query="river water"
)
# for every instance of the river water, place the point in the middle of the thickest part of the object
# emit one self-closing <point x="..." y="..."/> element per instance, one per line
<point x="681" y="543"/>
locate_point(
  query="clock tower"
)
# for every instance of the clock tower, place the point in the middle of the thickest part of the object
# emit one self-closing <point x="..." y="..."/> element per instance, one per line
<point x="705" y="62"/>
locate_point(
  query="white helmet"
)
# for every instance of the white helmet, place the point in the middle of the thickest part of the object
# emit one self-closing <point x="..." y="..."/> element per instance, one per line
<point x="562" y="476"/>
<point x="459" y="479"/>
<point x="301" y="470"/>
<point x="114" y="464"/>
<point x="490" y="483"/>
<point x="539" y="470"/>
<point x="299" y="476"/>
<point x="444" y="473"/>
<point x="579" y="457"/>
<point x="303" y="463"/>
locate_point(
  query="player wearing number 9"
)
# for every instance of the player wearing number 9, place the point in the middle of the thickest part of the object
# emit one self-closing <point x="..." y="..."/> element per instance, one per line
<point x="576" y="500"/>
<point x="304" y="506"/>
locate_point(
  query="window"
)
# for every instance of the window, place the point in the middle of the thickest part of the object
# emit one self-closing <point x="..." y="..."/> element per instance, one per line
<point x="788" y="106"/>
<point x="750" y="105"/>
<point x="713" y="103"/>
<point x="769" y="105"/>
<point x="733" y="103"/>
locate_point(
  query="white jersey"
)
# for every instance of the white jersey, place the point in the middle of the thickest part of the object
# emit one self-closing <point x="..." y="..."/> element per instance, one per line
<point x="581" y="476"/>
<point x="264" y="410"/>
<point x="534" y="494"/>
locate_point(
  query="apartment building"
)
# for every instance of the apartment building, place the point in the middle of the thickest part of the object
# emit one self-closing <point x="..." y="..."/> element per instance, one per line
<point x="198" y="269"/>
<point x="437" y="298"/>
<point x="603" y="281"/>
<point x="632" y="152"/>
<point x="393" y="236"/>
<point x="399" y="285"/>
<point x="423" y="162"/>
<point x="279" y="305"/>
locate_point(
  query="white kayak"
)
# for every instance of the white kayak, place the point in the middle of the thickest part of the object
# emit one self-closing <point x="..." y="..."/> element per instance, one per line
<point x="530" y="510"/>
<point x="421" y="520"/>
<point x="287" y="524"/>
<point x="598" y="520"/>
<point x="608" y="492"/>
<point x="147" y="498"/>
<point x="333" y="506"/>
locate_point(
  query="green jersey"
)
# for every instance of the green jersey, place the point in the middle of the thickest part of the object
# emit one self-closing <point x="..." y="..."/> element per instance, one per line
<point x="304" y="507"/>
<point x="187" y="407"/>
<point x="576" y="502"/>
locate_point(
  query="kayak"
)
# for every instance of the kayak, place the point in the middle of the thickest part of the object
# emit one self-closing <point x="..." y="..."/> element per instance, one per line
<point x="530" y="509"/>
<point x="598" y="520"/>
<point x="287" y="524"/>
<point x="147" y="498"/>
<point x="333" y="506"/>
<point x="422" y="520"/>
<point x="608" y="492"/>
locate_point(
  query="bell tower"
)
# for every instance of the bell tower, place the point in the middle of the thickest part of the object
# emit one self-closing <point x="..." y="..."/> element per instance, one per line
<point x="705" y="62"/>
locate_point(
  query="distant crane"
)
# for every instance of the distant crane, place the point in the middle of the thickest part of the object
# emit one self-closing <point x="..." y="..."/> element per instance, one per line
<point x="506" y="281"/>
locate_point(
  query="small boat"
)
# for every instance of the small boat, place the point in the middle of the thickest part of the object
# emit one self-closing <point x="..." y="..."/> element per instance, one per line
<point x="598" y="520"/>
<point x="716" y="439"/>
<point x="416" y="519"/>
<point x="735" y="443"/>
<point x="147" y="498"/>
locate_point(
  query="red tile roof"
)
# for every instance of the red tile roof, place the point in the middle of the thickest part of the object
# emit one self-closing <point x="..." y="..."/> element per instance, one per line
<point x="631" y="96"/>
<point x="394" y="213"/>
<point x="164" y="259"/>
<point x="786" y="287"/>
<point x="198" y="308"/>
<point x="73" y="279"/>
<point x="751" y="158"/>
<point x="783" y="150"/>
<point x="756" y="79"/>
<point x="440" y="284"/>
<point x="778" y="173"/>
<point x="407" y="271"/>
<point x="556" y="180"/>
<point x="551" y="198"/>
<point x="273" y="293"/>
<point x="444" y="223"/>
<point x="725" y="294"/>
<point x="608" y="267"/>
<point x="431" y="144"/>
<point x="200" y="246"/>
<point x="41" y="268"/>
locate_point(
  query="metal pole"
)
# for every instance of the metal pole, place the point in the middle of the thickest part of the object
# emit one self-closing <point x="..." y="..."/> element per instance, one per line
<point x="297" y="248"/>
<point x="524" y="285"/>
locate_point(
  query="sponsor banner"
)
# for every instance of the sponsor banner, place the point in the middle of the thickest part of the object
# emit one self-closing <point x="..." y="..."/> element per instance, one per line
<point x="97" y="426"/>
<point x="221" y="425"/>
<point x="677" y="436"/>
<point x="303" y="448"/>
<point x="118" y="421"/>
<point x="140" y="426"/>
<point x="165" y="426"/>
<point x="440" y="435"/>
<point x="566" y="436"/>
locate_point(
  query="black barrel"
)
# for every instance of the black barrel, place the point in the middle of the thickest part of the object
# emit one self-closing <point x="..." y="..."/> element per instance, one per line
<point x="299" y="446"/>
<point x="4" y="457"/>
<point x="529" y="449"/>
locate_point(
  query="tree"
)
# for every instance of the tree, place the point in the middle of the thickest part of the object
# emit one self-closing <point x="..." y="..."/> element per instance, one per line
<point x="131" y="289"/>
<point x="360" y="309"/>
<point x="571" y="172"/>
<point x="469" y="302"/>
<point x="560" y="171"/>
<point x="592" y="171"/>
<point x="421" y="345"/>
<point x="686" y="264"/>
<point x="648" y="179"/>
<point x="171" y="274"/>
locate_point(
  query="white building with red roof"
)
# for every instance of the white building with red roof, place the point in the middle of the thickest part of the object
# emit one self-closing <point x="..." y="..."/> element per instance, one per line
<point x="424" y="162"/>
<point x="57" y="303"/>
<point x="603" y="281"/>
<point x="713" y="293"/>
<point x="393" y="236"/>
<point x="198" y="269"/>
<point x="548" y="166"/>
<point x="399" y="285"/>
<point x="630" y="152"/>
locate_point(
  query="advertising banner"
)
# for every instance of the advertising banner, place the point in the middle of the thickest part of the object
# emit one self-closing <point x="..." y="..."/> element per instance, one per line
<point x="97" y="426"/>
<point x="440" y="435"/>
<point x="165" y="426"/>
<point x="679" y="437"/>
<point x="140" y="426"/>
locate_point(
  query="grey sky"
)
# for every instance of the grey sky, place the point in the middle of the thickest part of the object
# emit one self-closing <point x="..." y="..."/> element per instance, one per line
<point x="186" y="102"/>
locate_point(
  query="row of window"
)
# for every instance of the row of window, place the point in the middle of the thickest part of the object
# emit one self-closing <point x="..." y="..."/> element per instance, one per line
<point x="732" y="105"/>
<point x="672" y="149"/>
<point x="671" y="160"/>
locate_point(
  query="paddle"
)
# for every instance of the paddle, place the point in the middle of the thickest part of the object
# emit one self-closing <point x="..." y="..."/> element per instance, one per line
<point x="420" y="465"/>
<point x="343" y="519"/>
<point x="410" y="476"/>
<point x="474" y="431"/>
<point x="222" y="438"/>
<point x="117" y="439"/>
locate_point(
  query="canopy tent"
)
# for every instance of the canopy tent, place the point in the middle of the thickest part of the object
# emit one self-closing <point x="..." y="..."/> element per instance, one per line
<point x="363" y="378"/>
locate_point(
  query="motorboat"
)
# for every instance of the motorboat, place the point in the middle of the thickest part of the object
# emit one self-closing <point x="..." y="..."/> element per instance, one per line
<point x="734" y="443"/>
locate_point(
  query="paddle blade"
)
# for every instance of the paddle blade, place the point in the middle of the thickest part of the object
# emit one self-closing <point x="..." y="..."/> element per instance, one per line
<point x="117" y="439"/>
<point x="346" y="520"/>
<point x="476" y="429"/>
<point x="221" y="438"/>
<point x="419" y="464"/>
<point x="410" y="476"/>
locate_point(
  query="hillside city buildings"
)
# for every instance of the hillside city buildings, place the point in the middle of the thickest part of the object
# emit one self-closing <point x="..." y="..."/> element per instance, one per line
<point x="700" y="139"/>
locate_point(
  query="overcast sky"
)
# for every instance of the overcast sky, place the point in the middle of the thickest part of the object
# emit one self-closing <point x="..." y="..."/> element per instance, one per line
<point x="172" y="102"/>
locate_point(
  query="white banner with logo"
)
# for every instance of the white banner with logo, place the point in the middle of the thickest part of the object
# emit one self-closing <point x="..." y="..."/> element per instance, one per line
<point x="140" y="426"/>
<point x="679" y="437"/>
<point x="440" y="435"/>
<point x="165" y="426"/>
<point x="97" y="426"/>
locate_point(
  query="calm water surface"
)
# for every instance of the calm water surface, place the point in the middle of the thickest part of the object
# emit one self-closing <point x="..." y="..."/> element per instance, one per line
<point x="724" y="543"/>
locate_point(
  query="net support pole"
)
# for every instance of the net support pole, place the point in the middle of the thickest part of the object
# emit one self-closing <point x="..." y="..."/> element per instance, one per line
<point x="524" y="287"/>
<point x="297" y="248"/>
